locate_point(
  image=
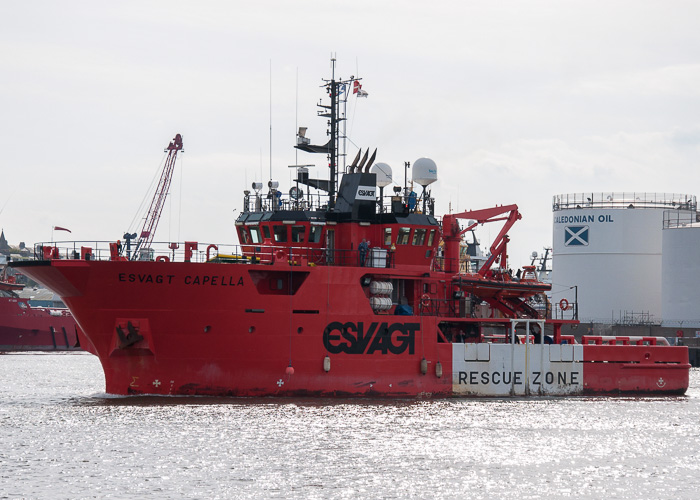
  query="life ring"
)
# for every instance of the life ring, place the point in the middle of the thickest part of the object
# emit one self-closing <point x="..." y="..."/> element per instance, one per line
<point x="425" y="300"/>
<point x="564" y="304"/>
<point x="162" y="258"/>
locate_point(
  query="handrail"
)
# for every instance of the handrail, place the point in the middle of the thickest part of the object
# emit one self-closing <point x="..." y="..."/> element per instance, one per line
<point x="624" y="200"/>
<point x="229" y="253"/>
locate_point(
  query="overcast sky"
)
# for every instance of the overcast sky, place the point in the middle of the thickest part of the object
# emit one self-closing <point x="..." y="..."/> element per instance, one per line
<point x="514" y="101"/>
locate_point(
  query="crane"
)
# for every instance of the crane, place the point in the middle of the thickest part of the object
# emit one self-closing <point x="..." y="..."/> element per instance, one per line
<point x="145" y="238"/>
<point x="452" y="234"/>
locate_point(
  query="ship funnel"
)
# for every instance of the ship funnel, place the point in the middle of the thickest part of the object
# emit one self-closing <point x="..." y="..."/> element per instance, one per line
<point x="424" y="171"/>
<point x="383" y="172"/>
<point x="370" y="161"/>
<point x="354" y="162"/>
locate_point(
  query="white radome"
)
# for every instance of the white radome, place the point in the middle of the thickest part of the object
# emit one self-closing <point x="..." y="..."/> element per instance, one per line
<point x="383" y="171"/>
<point x="424" y="171"/>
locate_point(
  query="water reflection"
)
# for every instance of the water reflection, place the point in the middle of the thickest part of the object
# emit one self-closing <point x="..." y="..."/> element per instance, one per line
<point x="64" y="438"/>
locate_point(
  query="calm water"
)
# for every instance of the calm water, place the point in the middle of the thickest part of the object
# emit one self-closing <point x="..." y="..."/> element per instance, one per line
<point x="62" y="437"/>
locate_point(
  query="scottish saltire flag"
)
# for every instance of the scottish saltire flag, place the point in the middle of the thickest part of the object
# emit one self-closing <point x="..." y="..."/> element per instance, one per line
<point x="576" y="236"/>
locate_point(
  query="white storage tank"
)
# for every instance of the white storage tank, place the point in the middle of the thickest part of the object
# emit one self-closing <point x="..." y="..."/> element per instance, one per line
<point x="680" y="267"/>
<point x="607" y="250"/>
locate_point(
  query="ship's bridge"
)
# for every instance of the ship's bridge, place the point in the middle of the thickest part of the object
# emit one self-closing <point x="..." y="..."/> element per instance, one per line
<point x="358" y="230"/>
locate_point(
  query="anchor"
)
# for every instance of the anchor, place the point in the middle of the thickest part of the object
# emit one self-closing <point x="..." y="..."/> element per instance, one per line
<point x="130" y="338"/>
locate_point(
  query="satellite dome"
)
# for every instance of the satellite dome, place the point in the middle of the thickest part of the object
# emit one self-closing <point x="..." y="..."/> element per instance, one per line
<point x="424" y="171"/>
<point x="383" y="172"/>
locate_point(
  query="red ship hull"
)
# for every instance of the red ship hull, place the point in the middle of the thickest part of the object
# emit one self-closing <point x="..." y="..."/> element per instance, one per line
<point x="228" y="329"/>
<point x="26" y="328"/>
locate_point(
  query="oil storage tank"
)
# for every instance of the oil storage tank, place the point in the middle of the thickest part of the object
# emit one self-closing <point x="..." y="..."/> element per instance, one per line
<point x="607" y="254"/>
<point x="680" y="270"/>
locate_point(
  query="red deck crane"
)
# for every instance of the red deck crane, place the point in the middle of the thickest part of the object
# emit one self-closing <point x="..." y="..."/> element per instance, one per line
<point x="452" y="234"/>
<point x="153" y="215"/>
<point x="488" y="284"/>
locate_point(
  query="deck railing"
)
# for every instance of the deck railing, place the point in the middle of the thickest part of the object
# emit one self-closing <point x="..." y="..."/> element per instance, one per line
<point x="675" y="219"/>
<point x="619" y="200"/>
<point x="207" y="252"/>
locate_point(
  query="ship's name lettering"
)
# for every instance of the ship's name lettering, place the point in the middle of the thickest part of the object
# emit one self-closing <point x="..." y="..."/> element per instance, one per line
<point x="147" y="278"/>
<point x="213" y="280"/>
<point x="569" y="219"/>
<point x="517" y="378"/>
<point x="356" y="338"/>
<point x="169" y="279"/>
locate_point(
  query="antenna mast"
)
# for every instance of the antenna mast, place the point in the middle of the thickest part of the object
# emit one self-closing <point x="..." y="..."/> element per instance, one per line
<point x="333" y="150"/>
<point x="335" y="115"/>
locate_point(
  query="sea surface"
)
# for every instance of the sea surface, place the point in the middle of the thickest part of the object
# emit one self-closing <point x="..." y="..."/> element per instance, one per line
<point x="61" y="437"/>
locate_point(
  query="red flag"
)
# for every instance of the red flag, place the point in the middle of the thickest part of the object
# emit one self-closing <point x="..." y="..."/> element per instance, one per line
<point x="59" y="228"/>
<point x="357" y="89"/>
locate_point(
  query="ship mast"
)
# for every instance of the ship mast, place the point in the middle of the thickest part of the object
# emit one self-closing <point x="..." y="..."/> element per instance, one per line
<point x="333" y="150"/>
<point x="334" y="114"/>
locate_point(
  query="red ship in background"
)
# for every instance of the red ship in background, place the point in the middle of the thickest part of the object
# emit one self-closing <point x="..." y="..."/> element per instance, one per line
<point x="306" y="306"/>
<point x="24" y="327"/>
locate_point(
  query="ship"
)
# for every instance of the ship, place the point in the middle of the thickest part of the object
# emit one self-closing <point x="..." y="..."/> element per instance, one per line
<point x="26" y="327"/>
<point x="335" y="290"/>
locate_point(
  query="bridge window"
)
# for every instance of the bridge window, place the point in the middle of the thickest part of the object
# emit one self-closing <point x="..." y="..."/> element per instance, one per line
<point x="298" y="234"/>
<point x="315" y="234"/>
<point x="255" y="234"/>
<point x="280" y="233"/>
<point x="243" y="236"/>
<point x="419" y="236"/>
<point x="404" y="234"/>
<point x="431" y="237"/>
<point x="266" y="232"/>
<point x="387" y="236"/>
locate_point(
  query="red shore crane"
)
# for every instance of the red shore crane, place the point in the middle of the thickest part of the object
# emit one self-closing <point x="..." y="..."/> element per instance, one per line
<point x="150" y="223"/>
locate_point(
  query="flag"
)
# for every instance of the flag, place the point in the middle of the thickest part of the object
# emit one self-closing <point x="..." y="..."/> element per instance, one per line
<point x="357" y="89"/>
<point x="59" y="228"/>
